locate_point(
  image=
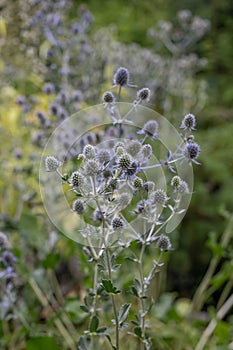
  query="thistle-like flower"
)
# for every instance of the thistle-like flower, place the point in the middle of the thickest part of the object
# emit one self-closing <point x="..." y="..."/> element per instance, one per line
<point x="117" y="224"/>
<point x="77" y="179"/>
<point x="79" y="206"/>
<point x="52" y="163"/>
<point x="143" y="95"/>
<point x="108" y="97"/>
<point x="121" y="77"/>
<point x="150" y="128"/>
<point x="191" y="150"/>
<point x="189" y="122"/>
<point x="164" y="243"/>
<point x="158" y="197"/>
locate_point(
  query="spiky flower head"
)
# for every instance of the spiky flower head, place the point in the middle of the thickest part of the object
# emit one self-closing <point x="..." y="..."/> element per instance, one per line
<point x="137" y="182"/>
<point x="143" y="94"/>
<point x="108" y="97"/>
<point x="149" y="186"/>
<point x="147" y="150"/>
<point x="189" y="122"/>
<point x="176" y="181"/>
<point x="103" y="156"/>
<point x="183" y="187"/>
<point x="124" y="161"/>
<point x="121" y="77"/>
<point x="48" y="88"/>
<point x="150" y="128"/>
<point x="89" y="151"/>
<point x="158" y="197"/>
<point x="134" y="147"/>
<point x="164" y="243"/>
<point x="191" y="150"/>
<point x="92" y="167"/>
<point x="52" y="163"/>
<point x="77" y="179"/>
<point x="117" y="224"/>
<point x="132" y="169"/>
<point x="79" y="206"/>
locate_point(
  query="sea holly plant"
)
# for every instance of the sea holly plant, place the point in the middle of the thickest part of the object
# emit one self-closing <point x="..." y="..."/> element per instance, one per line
<point x="127" y="187"/>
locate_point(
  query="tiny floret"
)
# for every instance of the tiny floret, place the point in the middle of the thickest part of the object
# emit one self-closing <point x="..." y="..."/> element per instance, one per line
<point x="189" y="122"/>
<point x="52" y="163"/>
<point x="79" y="206"/>
<point x="137" y="182"/>
<point x="121" y="77"/>
<point x="176" y="181"/>
<point x="143" y="94"/>
<point x="117" y="224"/>
<point x="164" y="243"/>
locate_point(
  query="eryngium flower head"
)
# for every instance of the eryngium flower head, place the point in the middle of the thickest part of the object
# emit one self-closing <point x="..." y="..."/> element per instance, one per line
<point x="92" y="167"/>
<point x="150" y="128"/>
<point x="8" y="258"/>
<point x="48" y="88"/>
<point x="77" y="179"/>
<point x="133" y="147"/>
<point x="149" y="186"/>
<point x="137" y="182"/>
<point x="189" y="122"/>
<point x="183" y="187"/>
<point x="191" y="150"/>
<point x="147" y="151"/>
<point x="176" y="181"/>
<point x="89" y="151"/>
<point x="103" y="156"/>
<point x="124" y="161"/>
<point x="3" y="240"/>
<point x="121" y="77"/>
<point x="143" y="94"/>
<point x="52" y="163"/>
<point x="132" y="169"/>
<point x="164" y="243"/>
<point x="117" y="224"/>
<point x="158" y="197"/>
<point x="108" y="97"/>
<point x="79" y="206"/>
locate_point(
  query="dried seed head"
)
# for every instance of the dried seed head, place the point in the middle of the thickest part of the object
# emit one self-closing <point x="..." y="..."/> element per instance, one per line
<point x="117" y="224"/>
<point x="189" y="122"/>
<point x="108" y="97"/>
<point x="52" y="163"/>
<point x="79" y="206"/>
<point x="121" y="77"/>
<point x="164" y="243"/>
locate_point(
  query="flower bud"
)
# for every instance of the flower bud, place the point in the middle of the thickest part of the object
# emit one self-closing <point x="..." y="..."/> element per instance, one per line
<point x="51" y="163"/>
<point x="164" y="243"/>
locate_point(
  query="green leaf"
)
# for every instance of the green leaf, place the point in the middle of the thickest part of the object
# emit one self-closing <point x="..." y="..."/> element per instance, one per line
<point x="39" y="343"/>
<point x="123" y="313"/>
<point x="101" y="330"/>
<point x="109" y="287"/>
<point x="94" y="323"/>
<point x="110" y="341"/>
<point x="138" y="332"/>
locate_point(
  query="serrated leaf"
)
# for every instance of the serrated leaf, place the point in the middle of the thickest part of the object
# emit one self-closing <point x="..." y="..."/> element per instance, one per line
<point x="123" y="313"/>
<point x="94" y="323"/>
<point x="109" y="287"/>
